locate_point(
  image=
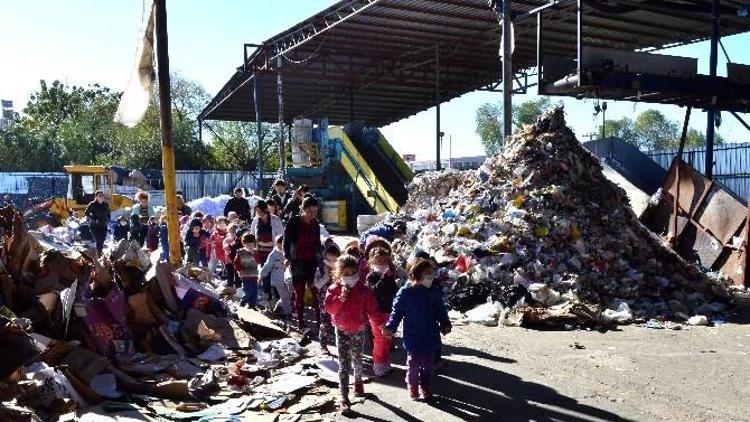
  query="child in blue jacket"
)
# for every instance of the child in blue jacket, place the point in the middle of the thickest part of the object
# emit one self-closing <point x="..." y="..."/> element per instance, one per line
<point x="420" y="305"/>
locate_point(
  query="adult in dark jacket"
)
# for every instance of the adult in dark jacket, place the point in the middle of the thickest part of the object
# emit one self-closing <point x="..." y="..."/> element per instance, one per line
<point x="239" y="205"/>
<point x="139" y="216"/>
<point x="280" y="195"/>
<point x="98" y="214"/>
<point x="388" y="231"/>
<point x="182" y="208"/>
<point x="302" y="249"/>
<point x="292" y="207"/>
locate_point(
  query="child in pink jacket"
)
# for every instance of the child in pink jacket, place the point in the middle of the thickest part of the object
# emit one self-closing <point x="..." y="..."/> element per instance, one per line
<point x="351" y="304"/>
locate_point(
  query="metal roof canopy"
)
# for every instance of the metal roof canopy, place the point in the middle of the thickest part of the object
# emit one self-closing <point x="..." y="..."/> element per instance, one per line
<point x="375" y="60"/>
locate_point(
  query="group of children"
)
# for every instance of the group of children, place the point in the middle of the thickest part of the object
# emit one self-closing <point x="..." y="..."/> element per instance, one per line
<point x="359" y="289"/>
<point x="356" y="290"/>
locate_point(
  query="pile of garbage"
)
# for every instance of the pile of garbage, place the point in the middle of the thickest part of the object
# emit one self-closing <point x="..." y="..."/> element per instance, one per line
<point x="539" y="237"/>
<point x="123" y="335"/>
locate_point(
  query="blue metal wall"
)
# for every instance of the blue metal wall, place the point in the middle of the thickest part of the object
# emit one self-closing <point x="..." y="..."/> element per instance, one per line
<point x="731" y="164"/>
<point x="193" y="183"/>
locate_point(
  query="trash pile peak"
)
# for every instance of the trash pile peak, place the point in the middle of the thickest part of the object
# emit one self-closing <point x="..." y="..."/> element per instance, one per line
<point x="539" y="230"/>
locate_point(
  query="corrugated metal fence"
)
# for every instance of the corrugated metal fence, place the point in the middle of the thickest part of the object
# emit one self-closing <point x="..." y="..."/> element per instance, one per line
<point x="192" y="183"/>
<point x="731" y="164"/>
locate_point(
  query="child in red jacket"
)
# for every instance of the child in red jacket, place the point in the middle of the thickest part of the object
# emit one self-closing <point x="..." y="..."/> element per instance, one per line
<point x="351" y="304"/>
<point x="217" y="244"/>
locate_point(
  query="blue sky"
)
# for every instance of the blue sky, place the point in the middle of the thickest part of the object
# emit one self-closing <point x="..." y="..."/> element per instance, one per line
<point x="88" y="41"/>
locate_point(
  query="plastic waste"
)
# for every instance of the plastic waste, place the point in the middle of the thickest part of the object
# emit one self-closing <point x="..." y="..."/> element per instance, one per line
<point x="544" y="294"/>
<point x="485" y="314"/>
<point x="214" y="353"/>
<point x="618" y="313"/>
<point x="698" y="320"/>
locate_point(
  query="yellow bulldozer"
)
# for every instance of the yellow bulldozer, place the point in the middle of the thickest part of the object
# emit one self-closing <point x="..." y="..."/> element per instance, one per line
<point x="83" y="182"/>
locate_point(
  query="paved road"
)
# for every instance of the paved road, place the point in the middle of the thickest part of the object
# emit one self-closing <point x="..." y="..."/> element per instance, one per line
<point x="633" y="374"/>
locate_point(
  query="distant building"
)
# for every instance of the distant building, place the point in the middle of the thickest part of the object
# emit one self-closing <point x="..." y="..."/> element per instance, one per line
<point x="7" y="115"/>
<point x="409" y="158"/>
<point x="462" y="163"/>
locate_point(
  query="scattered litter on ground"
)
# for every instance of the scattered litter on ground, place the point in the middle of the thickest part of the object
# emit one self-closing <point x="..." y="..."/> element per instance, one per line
<point x="121" y="338"/>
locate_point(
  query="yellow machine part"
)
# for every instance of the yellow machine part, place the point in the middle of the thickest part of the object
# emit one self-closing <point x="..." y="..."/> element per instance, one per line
<point x="61" y="207"/>
<point x="85" y="169"/>
<point x="366" y="181"/>
<point x="398" y="161"/>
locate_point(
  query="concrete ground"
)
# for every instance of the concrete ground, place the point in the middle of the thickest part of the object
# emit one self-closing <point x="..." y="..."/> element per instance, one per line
<point x="634" y="373"/>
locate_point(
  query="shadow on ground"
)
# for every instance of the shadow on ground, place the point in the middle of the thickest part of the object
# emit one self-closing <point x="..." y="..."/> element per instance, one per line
<point x="472" y="391"/>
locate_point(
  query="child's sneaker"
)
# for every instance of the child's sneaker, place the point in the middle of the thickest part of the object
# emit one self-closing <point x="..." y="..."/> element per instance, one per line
<point x="426" y="393"/>
<point x="414" y="392"/>
<point x="324" y="350"/>
<point x="345" y="407"/>
<point x="359" y="389"/>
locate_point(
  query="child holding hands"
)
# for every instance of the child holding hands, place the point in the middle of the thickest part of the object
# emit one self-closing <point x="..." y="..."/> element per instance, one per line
<point x="351" y="304"/>
<point x="420" y="305"/>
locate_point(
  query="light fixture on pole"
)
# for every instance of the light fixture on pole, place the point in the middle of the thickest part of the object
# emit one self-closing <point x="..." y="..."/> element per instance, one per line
<point x="601" y="109"/>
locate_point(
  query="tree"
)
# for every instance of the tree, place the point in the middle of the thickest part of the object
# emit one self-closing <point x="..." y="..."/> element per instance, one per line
<point x="526" y="112"/>
<point x="75" y="120"/>
<point x="622" y="128"/>
<point x="696" y="138"/>
<point x="235" y="146"/>
<point x="651" y="130"/>
<point x="655" y="131"/>
<point x="490" y="127"/>
<point x="489" y="119"/>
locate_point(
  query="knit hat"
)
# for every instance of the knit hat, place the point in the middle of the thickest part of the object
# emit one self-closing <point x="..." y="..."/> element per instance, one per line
<point x="375" y="242"/>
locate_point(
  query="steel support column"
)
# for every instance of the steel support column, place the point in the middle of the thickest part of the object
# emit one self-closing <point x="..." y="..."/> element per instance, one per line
<point x="167" y="143"/>
<point x="256" y="100"/>
<point x="351" y="101"/>
<point x="507" y="72"/>
<point x="438" y="164"/>
<point x="713" y="62"/>
<point x="579" y="41"/>
<point x="280" y="94"/>
<point x="539" y="46"/>
<point x="676" y="204"/>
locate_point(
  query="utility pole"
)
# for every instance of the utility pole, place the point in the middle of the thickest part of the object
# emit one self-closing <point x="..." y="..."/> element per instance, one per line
<point x="438" y="133"/>
<point x="167" y="144"/>
<point x="450" y="152"/>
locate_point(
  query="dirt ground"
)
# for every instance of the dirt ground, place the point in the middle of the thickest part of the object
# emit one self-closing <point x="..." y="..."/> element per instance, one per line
<point x="635" y="373"/>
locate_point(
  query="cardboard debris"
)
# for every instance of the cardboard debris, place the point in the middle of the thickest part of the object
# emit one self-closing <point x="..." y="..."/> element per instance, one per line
<point x="123" y="326"/>
<point x="259" y="323"/>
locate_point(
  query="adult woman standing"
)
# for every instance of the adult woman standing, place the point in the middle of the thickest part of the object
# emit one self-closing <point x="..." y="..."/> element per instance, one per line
<point x="302" y="249"/>
<point x="98" y="214"/>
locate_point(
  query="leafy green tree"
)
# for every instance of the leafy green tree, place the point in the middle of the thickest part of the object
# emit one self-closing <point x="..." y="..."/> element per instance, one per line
<point x="74" y="123"/>
<point x="526" y="112"/>
<point x="489" y="120"/>
<point x="234" y="146"/>
<point x="696" y="138"/>
<point x="655" y="130"/>
<point x="623" y="128"/>
<point x="651" y="130"/>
